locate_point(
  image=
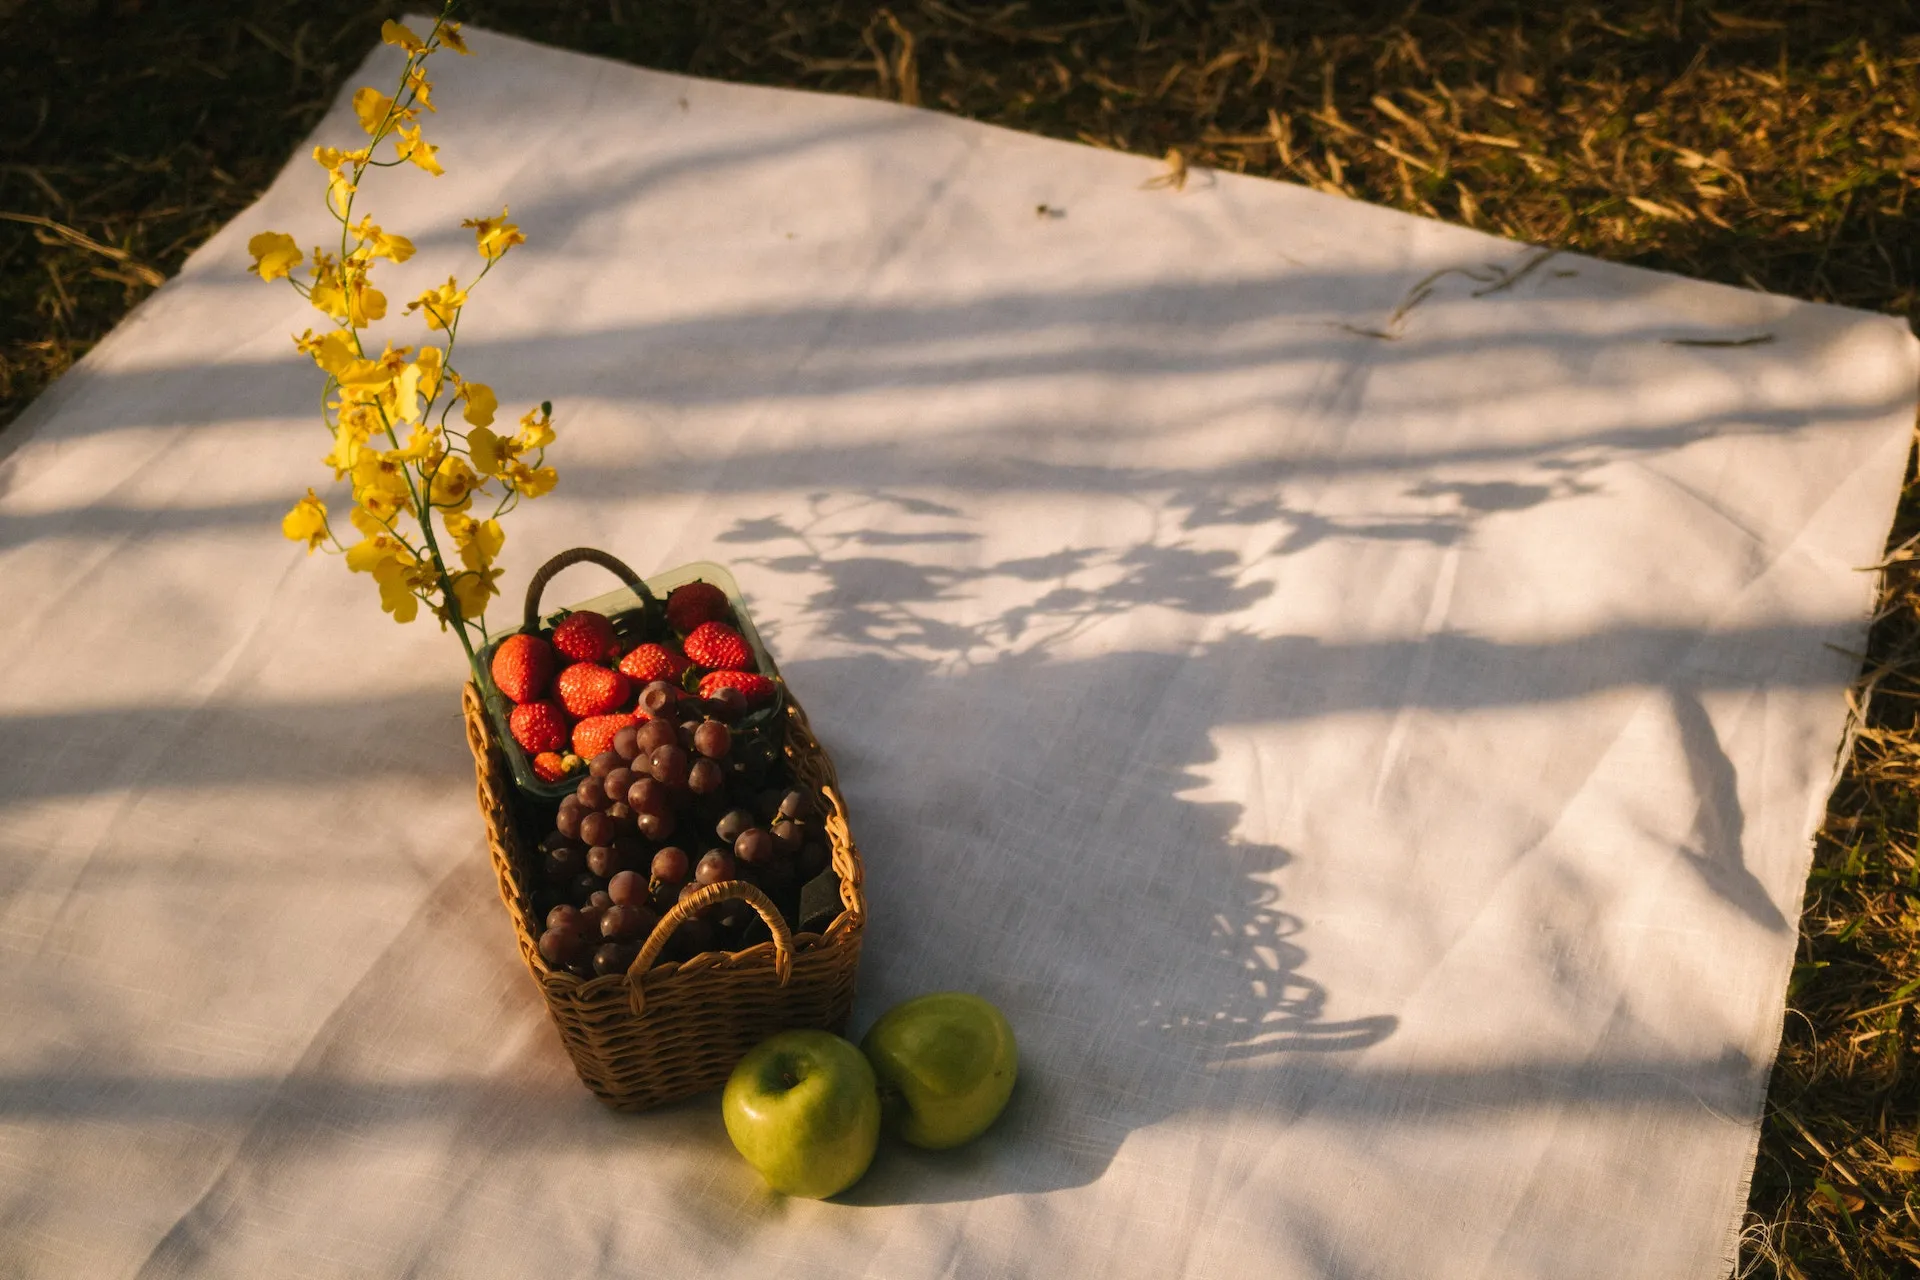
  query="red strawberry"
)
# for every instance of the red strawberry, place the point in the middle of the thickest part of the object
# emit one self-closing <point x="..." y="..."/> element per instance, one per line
<point x="756" y="689"/>
<point x="586" y="636"/>
<point x="586" y="689"/>
<point x="595" y="734"/>
<point x="652" y="662"/>
<point x="522" y="665"/>
<point x="551" y="766"/>
<point x="538" y="726"/>
<point x="719" y="647"/>
<point x="693" y="603"/>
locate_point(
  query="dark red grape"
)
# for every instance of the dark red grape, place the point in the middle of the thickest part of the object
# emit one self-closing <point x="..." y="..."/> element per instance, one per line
<point x="585" y="885"/>
<point x="600" y="898"/>
<point x="597" y="828"/>
<point x="567" y="821"/>
<point x="614" y="957"/>
<point x="590" y="916"/>
<point x="566" y="862"/>
<point x="705" y="777"/>
<point x="603" y="764"/>
<point x="753" y="847"/>
<point x="735" y="916"/>
<point x="670" y="865"/>
<point x="767" y="805"/>
<point x="656" y="826"/>
<point x="622" y="819"/>
<point x="788" y="835"/>
<point x="713" y="740"/>
<point x="730" y="826"/>
<point x="627" y="888"/>
<point x="604" y="860"/>
<point x="715" y="866"/>
<point x="659" y="698"/>
<point x="670" y="764"/>
<point x="653" y="735"/>
<point x="617" y="782"/>
<point x="581" y="969"/>
<point x="796" y="804"/>
<point x="649" y="795"/>
<point x="621" y="922"/>
<point x="564" y="916"/>
<point x="623" y="745"/>
<point x="562" y="947"/>
<point x="591" y="794"/>
<point x="727" y="703"/>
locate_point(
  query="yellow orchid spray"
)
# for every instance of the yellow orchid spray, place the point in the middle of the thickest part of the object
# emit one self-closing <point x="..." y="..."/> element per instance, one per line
<point x="415" y="477"/>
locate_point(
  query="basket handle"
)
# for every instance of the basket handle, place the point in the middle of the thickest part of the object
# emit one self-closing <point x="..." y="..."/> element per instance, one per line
<point x="530" y="620"/>
<point x="711" y="896"/>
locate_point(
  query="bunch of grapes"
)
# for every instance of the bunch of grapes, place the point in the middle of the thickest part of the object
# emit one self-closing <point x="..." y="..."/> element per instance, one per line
<point x="680" y="801"/>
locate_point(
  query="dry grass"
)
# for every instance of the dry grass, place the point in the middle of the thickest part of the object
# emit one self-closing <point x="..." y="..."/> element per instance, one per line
<point x="1772" y="145"/>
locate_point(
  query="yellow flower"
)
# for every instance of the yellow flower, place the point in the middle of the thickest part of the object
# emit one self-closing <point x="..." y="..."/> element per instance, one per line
<point x="398" y="33"/>
<point x="450" y="36"/>
<point x="536" y="429"/>
<point x="345" y="294"/>
<point x="376" y="512"/>
<point x="399" y="582"/>
<point x="374" y="471"/>
<point x="345" y="452"/>
<point x="481" y="404"/>
<point x="333" y="351"/>
<point x="472" y="590"/>
<point x="422" y="88"/>
<point x="340" y="183"/>
<point x="409" y="145"/>
<point x="531" y="481"/>
<point x="454" y="484"/>
<point x="376" y="549"/>
<point x="353" y="428"/>
<point x="490" y="453"/>
<point x="431" y="362"/>
<point x="307" y="522"/>
<point x="402" y="395"/>
<point x="494" y="236"/>
<point x="423" y="446"/>
<point x="479" y="540"/>
<point x="441" y="305"/>
<point x="379" y="244"/>
<point x="372" y="107"/>
<point x="362" y="381"/>
<point x="274" y="255"/>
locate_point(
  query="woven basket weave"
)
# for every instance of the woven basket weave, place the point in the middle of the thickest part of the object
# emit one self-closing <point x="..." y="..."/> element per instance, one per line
<point x="661" y="1032"/>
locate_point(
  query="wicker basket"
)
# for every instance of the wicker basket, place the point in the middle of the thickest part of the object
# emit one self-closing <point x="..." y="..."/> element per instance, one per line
<point x="661" y="1032"/>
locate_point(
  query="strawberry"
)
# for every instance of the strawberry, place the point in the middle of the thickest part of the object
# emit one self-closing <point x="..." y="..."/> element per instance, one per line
<point x="756" y="689"/>
<point x="718" y="647"/>
<point x="587" y="689"/>
<point x="650" y="662"/>
<point x="586" y="636"/>
<point x="538" y="726"/>
<point x="595" y="734"/>
<point x="551" y="766"/>
<point x="522" y="666"/>
<point x="693" y="603"/>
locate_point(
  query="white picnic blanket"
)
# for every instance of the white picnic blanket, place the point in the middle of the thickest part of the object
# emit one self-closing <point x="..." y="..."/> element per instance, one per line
<point x="1355" y="691"/>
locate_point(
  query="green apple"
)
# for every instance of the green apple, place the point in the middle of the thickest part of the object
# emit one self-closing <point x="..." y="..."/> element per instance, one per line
<point x="804" y="1110"/>
<point x="946" y="1064"/>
